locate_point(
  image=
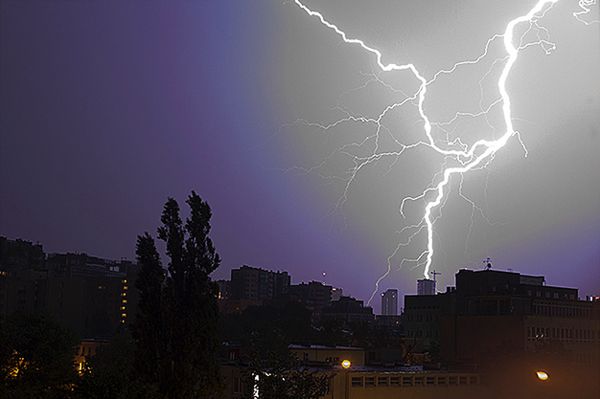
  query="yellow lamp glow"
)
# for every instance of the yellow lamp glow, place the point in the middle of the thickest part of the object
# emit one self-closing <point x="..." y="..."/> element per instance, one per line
<point x="542" y="375"/>
<point x="346" y="364"/>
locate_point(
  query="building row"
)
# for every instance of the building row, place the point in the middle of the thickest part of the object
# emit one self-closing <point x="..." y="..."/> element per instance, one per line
<point x="90" y="296"/>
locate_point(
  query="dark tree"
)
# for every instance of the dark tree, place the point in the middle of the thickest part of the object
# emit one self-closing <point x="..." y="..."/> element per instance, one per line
<point x="110" y="373"/>
<point x="148" y="323"/>
<point x="176" y="336"/>
<point x="36" y="358"/>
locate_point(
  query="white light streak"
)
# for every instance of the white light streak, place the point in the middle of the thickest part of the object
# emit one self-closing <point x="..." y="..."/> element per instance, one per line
<point x="468" y="158"/>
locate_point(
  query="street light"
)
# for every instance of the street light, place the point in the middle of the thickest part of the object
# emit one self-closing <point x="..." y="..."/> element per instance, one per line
<point x="346" y="364"/>
<point x="542" y="375"/>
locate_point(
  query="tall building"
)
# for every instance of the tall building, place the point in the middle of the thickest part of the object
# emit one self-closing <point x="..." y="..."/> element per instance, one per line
<point x="491" y="314"/>
<point x="425" y="287"/>
<point x="314" y="295"/>
<point x="389" y="303"/>
<point x="348" y="310"/>
<point x="90" y="296"/>
<point x="251" y="283"/>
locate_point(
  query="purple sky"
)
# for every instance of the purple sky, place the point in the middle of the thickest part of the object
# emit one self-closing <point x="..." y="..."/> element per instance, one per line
<point x="107" y="108"/>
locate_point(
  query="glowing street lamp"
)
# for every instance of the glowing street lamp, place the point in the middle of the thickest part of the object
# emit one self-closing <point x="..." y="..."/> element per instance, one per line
<point x="346" y="364"/>
<point x="542" y="375"/>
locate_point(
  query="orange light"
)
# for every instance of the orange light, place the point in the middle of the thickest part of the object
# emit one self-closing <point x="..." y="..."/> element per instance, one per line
<point x="346" y="364"/>
<point x="541" y="375"/>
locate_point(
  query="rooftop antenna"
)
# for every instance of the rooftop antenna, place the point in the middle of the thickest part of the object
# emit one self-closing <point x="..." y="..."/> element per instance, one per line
<point x="487" y="263"/>
<point x="434" y="273"/>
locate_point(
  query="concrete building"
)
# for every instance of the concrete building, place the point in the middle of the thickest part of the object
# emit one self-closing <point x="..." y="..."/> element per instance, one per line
<point x="88" y="295"/>
<point x="389" y="303"/>
<point x="491" y="315"/>
<point x="347" y="310"/>
<point x="258" y="284"/>
<point x="351" y="378"/>
<point x="336" y="293"/>
<point x="425" y="287"/>
<point x="314" y="295"/>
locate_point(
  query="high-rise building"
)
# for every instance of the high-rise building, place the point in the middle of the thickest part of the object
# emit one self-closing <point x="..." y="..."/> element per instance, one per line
<point x="256" y="284"/>
<point x="314" y="295"/>
<point x="425" y="287"/>
<point x="90" y="296"/>
<point x="389" y="303"/>
<point x="492" y="313"/>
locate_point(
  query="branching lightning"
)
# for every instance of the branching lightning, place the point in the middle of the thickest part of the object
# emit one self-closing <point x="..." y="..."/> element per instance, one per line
<point x="459" y="157"/>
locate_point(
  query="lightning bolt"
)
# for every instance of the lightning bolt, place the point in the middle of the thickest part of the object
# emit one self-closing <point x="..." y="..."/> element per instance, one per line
<point x="466" y="158"/>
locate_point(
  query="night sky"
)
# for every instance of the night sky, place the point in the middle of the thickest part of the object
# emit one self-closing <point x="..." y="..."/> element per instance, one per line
<point x="108" y="108"/>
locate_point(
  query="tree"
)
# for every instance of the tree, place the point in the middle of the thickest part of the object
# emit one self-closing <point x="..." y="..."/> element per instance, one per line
<point x="148" y="324"/>
<point x="176" y="331"/>
<point x="36" y="358"/>
<point x="110" y="373"/>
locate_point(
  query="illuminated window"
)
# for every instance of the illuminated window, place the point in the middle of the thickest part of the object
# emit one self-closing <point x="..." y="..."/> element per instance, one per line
<point x="124" y="301"/>
<point x="123" y="315"/>
<point x="125" y="287"/>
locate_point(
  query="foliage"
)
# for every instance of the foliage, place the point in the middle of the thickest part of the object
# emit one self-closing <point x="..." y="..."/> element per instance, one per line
<point x="176" y="330"/>
<point x="36" y="358"/>
<point x="277" y="374"/>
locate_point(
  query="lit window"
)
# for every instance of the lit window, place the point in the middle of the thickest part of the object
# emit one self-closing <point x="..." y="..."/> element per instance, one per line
<point x="123" y="315"/>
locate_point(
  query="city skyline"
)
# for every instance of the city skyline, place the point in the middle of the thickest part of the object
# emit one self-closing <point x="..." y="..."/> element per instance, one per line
<point x="101" y="125"/>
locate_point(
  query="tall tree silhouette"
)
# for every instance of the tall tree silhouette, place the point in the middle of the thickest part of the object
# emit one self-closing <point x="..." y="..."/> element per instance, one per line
<point x="177" y="329"/>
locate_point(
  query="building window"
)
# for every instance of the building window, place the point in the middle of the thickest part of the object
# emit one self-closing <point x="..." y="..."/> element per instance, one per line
<point x="430" y="380"/>
<point x="394" y="381"/>
<point x="382" y="381"/>
<point x="441" y="381"/>
<point x="418" y="380"/>
<point x="407" y="381"/>
<point x="452" y="380"/>
<point x="356" y="381"/>
<point x="369" y="381"/>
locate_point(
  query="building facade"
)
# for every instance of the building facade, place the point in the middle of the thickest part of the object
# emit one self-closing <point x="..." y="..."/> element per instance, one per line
<point x="389" y="303"/>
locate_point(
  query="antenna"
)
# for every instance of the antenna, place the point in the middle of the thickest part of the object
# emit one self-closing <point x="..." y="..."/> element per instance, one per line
<point x="487" y="262"/>
<point x="434" y="273"/>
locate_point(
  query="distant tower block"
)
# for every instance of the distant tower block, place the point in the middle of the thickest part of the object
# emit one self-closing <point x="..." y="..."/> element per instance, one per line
<point x="389" y="303"/>
<point x="425" y="287"/>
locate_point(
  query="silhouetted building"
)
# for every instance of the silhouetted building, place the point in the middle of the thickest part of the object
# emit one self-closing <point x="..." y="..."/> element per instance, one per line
<point x="93" y="296"/>
<point x="314" y="295"/>
<point x="492" y="314"/>
<point x="389" y="303"/>
<point x="224" y="289"/>
<point x="258" y="284"/>
<point x="336" y="293"/>
<point x="347" y="310"/>
<point x="425" y="287"/>
<point x="89" y="295"/>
